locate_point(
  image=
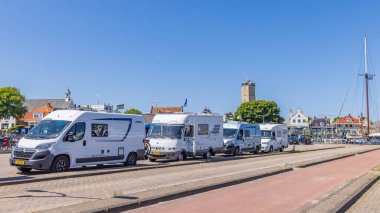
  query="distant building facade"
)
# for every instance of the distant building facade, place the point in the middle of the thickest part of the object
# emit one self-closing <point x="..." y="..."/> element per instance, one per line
<point x="349" y="126"/>
<point x="298" y="123"/>
<point x="6" y="123"/>
<point x="248" y="92"/>
<point x="322" y="127"/>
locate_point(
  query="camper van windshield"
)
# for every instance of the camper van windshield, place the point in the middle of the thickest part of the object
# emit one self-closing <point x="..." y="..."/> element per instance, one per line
<point x="229" y="133"/>
<point x="46" y="129"/>
<point x="265" y="134"/>
<point x="161" y="130"/>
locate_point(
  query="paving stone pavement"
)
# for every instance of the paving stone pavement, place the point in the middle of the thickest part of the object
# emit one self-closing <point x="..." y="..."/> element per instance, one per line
<point x="51" y="194"/>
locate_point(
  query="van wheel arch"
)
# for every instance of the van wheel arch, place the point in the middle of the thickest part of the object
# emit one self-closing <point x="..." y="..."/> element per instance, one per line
<point x="56" y="157"/>
<point x="131" y="159"/>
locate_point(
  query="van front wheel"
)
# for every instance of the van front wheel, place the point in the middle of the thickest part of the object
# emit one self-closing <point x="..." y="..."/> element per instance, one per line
<point x="131" y="159"/>
<point x="207" y="155"/>
<point x="60" y="164"/>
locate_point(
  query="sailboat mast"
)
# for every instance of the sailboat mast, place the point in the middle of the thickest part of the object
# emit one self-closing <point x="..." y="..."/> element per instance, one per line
<point x="366" y="84"/>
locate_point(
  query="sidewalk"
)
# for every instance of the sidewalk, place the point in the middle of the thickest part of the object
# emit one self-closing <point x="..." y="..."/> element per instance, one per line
<point x="370" y="201"/>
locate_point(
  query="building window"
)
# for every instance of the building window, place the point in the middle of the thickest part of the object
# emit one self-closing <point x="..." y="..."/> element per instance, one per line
<point x="99" y="130"/>
<point x="299" y="120"/>
<point x="202" y="129"/>
<point x="294" y="120"/>
<point x="4" y="126"/>
<point x="299" y="116"/>
<point x="304" y="120"/>
<point x="7" y="118"/>
<point x="38" y="115"/>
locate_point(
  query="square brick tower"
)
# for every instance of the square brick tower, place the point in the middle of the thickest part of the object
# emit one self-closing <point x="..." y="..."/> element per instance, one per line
<point x="247" y="91"/>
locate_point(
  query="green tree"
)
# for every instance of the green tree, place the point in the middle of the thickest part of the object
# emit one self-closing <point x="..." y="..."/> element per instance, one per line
<point x="11" y="102"/>
<point x="254" y="111"/>
<point x="133" y="111"/>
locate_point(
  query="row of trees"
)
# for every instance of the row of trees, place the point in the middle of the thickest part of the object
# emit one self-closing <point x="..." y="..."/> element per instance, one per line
<point x="11" y="104"/>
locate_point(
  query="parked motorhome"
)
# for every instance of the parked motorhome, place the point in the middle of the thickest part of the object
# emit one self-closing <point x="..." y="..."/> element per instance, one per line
<point x="274" y="137"/>
<point x="70" y="138"/>
<point x="181" y="135"/>
<point x="241" y="137"/>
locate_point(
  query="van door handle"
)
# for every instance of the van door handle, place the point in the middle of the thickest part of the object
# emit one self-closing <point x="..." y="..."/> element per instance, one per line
<point x="84" y="143"/>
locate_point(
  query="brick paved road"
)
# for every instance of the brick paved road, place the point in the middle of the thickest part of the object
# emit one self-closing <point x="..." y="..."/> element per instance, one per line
<point x="287" y="192"/>
<point x="50" y="194"/>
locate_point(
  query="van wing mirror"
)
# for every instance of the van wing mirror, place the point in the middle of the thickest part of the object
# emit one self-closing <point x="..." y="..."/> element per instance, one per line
<point x="70" y="137"/>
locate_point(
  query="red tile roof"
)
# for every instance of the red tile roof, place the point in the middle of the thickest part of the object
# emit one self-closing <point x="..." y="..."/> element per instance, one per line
<point x="28" y="117"/>
<point x="348" y="120"/>
<point x="155" y="110"/>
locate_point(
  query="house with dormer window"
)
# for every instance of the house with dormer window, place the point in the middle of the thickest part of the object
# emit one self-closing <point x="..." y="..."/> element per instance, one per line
<point x="298" y="123"/>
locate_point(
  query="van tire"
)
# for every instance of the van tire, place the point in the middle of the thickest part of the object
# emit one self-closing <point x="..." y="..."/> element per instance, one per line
<point x="281" y="149"/>
<point x="60" y="164"/>
<point x="152" y="160"/>
<point x="236" y="151"/>
<point x="181" y="156"/>
<point x="207" y="155"/>
<point x="24" y="169"/>
<point x="257" y="150"/>
<point x="131" y="159"/>
<point x="271" y="149"/>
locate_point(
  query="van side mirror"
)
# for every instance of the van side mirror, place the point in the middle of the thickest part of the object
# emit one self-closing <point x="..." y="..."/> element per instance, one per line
<point x="70" y="137"/>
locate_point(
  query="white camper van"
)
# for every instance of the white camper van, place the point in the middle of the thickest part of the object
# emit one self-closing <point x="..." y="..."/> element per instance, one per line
<point x="181" y="135"/>
<point x="241" y="137"/>
<point x="70" y="138"/>
<point x="274" y="137"/>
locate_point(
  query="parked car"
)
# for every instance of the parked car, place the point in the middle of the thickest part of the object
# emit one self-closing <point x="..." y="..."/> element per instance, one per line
<point x="293" y="140"/>
<point x="305" y="139"/>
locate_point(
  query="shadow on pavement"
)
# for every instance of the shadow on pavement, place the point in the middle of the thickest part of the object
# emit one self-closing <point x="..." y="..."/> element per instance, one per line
<point x="48" y="195"/>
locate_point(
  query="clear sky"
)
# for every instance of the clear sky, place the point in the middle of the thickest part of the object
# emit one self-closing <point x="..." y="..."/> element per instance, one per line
<point x="299" y="53"/>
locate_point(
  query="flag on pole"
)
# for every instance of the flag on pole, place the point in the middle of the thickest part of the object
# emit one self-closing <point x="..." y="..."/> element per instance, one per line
<point x="120" y="106"/>
<point x="185" y="104"/>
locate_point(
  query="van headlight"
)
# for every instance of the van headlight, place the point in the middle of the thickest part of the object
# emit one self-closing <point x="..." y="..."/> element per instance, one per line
<point x="44" y="146"/>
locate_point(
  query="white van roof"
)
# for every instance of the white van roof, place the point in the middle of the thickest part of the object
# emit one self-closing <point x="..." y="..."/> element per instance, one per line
<point x="178" y="118"/>
<point x="237" y="125"/>
<point x="271" y="126"/>
<point x="71" y="115"/>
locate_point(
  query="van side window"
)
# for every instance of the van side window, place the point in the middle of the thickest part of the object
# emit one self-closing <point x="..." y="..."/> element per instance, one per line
<point x="202" y="129"/>
<point x="246" y="133"/>
<point x="99" y="130"/>
<point x="77" y="130"/>
<point x="284" y="132"/>
<point x="278" y="133"/>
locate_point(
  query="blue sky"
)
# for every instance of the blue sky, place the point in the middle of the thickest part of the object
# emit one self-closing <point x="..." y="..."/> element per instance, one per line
<point x="299" y="53"/>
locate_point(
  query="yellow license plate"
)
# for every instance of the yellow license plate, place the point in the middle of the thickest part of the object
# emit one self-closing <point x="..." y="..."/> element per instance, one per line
<point x="19" y="162"/>
<point x="156" y="153"/>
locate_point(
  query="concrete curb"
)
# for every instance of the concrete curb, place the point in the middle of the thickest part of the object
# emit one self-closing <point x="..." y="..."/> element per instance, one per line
<point x="142" y="167"/>
<point x="129" y="205"/>
<point x="342" y="200"/>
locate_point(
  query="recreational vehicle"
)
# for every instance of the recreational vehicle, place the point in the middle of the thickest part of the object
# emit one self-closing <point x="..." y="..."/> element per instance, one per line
<point x="274" y="137"/>
<point x="181" y="135"/>
<point x="241" y="137"/>
<point x="70" y="138"/>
